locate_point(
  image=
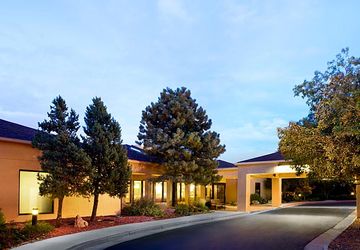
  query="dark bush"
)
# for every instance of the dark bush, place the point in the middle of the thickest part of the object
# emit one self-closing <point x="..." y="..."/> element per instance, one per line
<point x="183" y="210"/>
<point x="200" y="207"/>
<point x="9" y="236"/>
<point x="290" y="196"/>
<point x="258" y="198"/>
<point x="40" y="229"/>
<point x="142" y="207"/>
<point x="208" y="204"/>
<point x="2" y="220"/>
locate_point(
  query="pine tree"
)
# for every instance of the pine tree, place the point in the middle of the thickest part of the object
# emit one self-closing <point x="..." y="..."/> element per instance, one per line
<point x="177" y="131"/>
<point x="110" y="172"/>
<point x="62" y="157"/>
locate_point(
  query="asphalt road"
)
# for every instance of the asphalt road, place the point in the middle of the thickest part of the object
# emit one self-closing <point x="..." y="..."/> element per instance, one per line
<point x="287" y="228"/>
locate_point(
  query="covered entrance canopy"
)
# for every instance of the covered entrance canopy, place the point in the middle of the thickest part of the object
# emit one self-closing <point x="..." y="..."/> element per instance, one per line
<point x="271" y="166"/>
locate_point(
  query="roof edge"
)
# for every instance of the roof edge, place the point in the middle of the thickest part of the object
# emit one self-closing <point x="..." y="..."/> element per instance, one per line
<point x="6" y="139"/>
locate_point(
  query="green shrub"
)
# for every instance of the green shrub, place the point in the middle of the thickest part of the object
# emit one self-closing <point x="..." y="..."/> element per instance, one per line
<point x="290" y="196"/>
<point x="200" y="207"/>
<point x="11" y="236"/>
<point x="42" y="228"/>
<point x="2" y="220"/>
<point x="196" y="207"/>
<point x="143" y="207"/>
<point x="256" y="197"/>
<point x="183" y="210"/>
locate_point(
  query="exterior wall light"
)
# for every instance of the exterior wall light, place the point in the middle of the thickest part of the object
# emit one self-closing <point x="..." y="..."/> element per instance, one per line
<point x="34" y="212"/>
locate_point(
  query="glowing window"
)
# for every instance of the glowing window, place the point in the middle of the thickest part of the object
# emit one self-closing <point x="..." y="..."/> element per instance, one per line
<point x="127" y="196"/>
<point x="29" y="196"/>
<point x="138" y="189"/>
<point x="181" y="191"/>
<point x="160" y="191"/>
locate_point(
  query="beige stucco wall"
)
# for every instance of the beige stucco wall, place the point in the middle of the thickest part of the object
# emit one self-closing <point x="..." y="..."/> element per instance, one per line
<point x="229" y="176"/>
<point x="16" y="156"/>
<point x="231" y="190"/>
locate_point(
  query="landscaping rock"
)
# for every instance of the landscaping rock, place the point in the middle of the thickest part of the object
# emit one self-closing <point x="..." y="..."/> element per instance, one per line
<point x="80" y="222"/>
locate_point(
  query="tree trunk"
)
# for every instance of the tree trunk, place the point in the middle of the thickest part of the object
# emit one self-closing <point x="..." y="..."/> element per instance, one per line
<point x="174" y="194"/>
<point x="59" y="212"/>
<point x="358" y="200"/>
<point x="95" y="205"/>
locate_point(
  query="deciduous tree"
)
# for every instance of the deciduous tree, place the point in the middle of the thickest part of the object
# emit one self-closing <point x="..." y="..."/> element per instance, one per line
<point x="327" y="142"/>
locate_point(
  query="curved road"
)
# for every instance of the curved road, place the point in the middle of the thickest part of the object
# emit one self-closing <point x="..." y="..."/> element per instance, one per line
<point x="286" y="228"/>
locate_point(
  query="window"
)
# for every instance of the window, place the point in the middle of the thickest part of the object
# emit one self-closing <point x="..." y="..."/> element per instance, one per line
<point x="216" y="191"/>
<point x="181" y="191"/>
<point x="139" y="190"/>
<point x="192" y="191"/>
<point x="29" y="196"/>
<point x="127" y="196"/>
<point x="160" y="191"/>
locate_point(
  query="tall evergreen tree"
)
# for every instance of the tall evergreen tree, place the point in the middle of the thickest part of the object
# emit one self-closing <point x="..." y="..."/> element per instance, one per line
<point x="177" y="131"/>
<point x="62" y="157"/>
<point x="110" y="172"/>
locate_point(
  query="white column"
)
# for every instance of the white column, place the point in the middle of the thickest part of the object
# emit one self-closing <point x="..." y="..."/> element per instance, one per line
<point x="243" y="192"/>
<point x="276" y="192"/>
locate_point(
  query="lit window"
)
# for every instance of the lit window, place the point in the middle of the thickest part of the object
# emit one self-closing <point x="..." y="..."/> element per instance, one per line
<point x="160" y="191"/>
<point x="127" y="196"/>
<point x="29" y="194"/>
<point x="138" y="189"/>
<point x="181" y="191"/>
<point x="192" y="191"/>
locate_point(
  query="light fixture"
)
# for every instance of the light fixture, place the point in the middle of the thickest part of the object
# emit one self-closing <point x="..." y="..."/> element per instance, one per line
<point x="352" y="193"/>
<point x="299" y="195"/>
<point x="34" y="212"/>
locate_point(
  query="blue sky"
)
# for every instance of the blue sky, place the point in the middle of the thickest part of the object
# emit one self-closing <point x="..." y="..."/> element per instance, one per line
<point x="240" y="59"/>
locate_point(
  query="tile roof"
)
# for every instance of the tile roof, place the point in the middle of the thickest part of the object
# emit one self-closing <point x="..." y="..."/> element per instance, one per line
<point x="138" y="154"/>
<point x="225" y="164"/>
<point x="277" y="156"/>
<point x="16" y="131"/>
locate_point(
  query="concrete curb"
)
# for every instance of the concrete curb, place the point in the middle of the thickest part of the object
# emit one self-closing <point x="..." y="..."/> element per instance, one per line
<point x="323" y="241"/>
<point x="106" y="237"/>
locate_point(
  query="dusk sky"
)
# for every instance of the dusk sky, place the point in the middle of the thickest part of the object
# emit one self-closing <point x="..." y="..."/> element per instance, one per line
<point x="240" y="59"/>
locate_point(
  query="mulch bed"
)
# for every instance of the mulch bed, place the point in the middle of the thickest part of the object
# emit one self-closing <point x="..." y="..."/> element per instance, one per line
<point x="349" y="239"/>
<point x="67" y="226"/>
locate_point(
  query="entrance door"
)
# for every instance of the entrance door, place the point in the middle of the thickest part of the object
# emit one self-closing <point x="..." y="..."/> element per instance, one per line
<point x="219" y="192"/>
<point x="257" y="188"/>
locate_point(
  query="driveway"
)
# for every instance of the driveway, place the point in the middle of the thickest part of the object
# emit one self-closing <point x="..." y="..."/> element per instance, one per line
<point x="286" y="228"/>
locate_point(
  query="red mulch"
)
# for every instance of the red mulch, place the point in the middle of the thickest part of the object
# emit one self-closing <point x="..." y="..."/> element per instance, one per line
<point x="349" y="239"/>
<point x="67" y="226"/>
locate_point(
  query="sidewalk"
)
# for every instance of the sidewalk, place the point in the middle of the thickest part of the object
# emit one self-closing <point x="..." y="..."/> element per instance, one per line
<point x="106" y="237"/>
